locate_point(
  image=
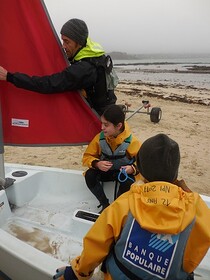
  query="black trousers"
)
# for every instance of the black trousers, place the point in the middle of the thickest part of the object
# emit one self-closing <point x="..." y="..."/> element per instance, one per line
<point x="94" y="177"/>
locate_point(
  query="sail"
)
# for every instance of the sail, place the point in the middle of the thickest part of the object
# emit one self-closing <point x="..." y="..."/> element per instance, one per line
<point x="29" y="44"/>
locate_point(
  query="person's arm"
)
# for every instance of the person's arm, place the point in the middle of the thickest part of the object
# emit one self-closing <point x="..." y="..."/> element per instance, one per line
<point x="91" y="157"/>
<point x="132" y="150"/>
<point x="100" y="238"/>
<point x="3" y="74"/>
<point x="130" y="169"/>
<point x="77" y="76"/>
<point x="92" y="153"/>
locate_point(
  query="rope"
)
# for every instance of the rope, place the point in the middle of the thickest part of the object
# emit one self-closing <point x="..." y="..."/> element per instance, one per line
<point x="126" y="177"/>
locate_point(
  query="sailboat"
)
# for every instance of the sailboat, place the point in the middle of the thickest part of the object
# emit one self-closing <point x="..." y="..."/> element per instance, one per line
<point x="44" y="212"/>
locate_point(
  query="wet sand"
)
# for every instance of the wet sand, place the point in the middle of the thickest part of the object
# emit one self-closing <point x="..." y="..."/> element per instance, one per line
<point x="185" y="118"/>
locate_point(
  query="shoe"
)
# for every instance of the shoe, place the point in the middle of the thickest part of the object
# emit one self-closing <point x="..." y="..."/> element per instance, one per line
<point x="190" y="276"/>
<point x="104" y="206"/>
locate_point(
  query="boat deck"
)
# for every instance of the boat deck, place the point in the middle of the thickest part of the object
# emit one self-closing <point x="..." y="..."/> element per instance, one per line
<point x="44" y="222"/>
<point x="45" y="228"/>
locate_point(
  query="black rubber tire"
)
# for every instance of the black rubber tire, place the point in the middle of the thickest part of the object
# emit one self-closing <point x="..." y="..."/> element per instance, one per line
<point x="155" y="114"/>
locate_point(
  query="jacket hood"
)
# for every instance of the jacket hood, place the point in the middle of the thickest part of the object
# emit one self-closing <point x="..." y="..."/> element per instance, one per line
<point x="162" y="207"/>
<point x="92" y="49"/>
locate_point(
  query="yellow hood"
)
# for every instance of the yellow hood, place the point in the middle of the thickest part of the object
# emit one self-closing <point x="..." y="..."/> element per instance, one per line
<point x="92" y="49"/>
<point x="162" y="207"/>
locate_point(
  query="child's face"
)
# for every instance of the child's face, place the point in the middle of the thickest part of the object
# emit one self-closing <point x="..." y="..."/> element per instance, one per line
<point x="109" y="129"/>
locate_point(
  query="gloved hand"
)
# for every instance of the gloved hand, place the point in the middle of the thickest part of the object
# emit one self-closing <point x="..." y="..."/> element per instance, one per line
<point x="67" y="272"/>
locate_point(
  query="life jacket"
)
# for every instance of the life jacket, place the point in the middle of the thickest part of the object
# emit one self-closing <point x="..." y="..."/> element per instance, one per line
<point x="102" y="93"/>
<point x="139" y="254"/>
<point x="117" y="157"/>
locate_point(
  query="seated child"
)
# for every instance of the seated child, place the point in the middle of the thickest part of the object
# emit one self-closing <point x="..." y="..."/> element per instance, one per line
<point x="156" y="230"/>
<point x="110" y="151"/>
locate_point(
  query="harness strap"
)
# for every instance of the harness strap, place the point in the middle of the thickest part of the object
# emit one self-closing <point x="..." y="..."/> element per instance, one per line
<point x="126" y="271"/>
<point x="112" y="156"/>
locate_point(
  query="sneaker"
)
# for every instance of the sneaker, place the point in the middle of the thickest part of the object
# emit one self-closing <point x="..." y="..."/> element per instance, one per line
<point x="104" y="206"/>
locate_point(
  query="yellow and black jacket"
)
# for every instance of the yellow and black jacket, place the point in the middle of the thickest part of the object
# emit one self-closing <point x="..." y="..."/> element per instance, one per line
<point x="94" y="149"/>
<point x="159" y="208"/>
<point x="85" y="73"/>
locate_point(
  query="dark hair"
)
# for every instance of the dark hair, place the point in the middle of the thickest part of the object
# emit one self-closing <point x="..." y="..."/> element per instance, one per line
<point x="114" y="114"/>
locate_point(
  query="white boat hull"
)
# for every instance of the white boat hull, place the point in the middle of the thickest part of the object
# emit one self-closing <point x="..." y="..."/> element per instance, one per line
<point x="43" y="232"/>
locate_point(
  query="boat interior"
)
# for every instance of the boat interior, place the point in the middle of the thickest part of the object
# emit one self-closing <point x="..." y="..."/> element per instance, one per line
<point x="44" y="216"/>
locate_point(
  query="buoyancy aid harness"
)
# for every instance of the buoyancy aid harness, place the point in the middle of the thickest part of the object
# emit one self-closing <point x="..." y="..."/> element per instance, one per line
<point x="140" y="254"/>
<point x="117" y="157"/>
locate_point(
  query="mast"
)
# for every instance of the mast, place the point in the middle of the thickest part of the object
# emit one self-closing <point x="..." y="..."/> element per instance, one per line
<point x="2" y="172"/>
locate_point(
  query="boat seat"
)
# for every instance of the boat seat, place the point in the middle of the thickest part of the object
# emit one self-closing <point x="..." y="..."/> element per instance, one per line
<point x="116" y="186"/>
<point x="86" y="215"/>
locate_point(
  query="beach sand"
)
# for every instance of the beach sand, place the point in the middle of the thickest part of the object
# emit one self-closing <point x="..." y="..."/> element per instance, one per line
<point x="185" y="118"/>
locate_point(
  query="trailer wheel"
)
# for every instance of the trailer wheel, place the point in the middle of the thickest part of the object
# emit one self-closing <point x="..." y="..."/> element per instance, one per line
<point x="155" y="114"/>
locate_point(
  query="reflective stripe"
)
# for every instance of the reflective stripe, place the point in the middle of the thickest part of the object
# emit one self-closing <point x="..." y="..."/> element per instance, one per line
<point x="92" y="49"/>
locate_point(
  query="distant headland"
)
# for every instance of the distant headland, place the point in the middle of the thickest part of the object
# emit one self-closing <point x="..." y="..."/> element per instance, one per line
<point x="122" y="55"/>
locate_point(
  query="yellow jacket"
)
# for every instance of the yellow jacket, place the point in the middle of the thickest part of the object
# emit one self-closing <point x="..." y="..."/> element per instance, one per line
<point x="159" y="207"/>
<point x="93" y="151"/>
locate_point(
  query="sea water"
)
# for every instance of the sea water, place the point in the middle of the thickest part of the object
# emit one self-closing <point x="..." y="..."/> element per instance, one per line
<point x="165" y="69"/>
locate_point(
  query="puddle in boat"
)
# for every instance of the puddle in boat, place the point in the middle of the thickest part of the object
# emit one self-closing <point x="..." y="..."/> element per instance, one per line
<point x="59" y="246"/>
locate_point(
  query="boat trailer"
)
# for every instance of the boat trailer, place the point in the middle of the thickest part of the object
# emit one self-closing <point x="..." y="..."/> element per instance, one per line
<point x="154" y="112"/>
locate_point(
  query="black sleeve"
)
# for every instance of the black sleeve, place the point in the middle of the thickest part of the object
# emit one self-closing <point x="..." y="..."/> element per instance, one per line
<point x="77" y="76"/>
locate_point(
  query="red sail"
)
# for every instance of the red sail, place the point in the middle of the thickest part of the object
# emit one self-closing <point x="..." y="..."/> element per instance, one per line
<point x="29" y="44"/>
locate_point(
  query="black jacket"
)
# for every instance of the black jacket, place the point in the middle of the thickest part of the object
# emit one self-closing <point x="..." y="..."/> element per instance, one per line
<point x="82" y="74"/>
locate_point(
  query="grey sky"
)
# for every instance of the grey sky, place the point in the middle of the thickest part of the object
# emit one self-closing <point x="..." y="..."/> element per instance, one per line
<point x="140" y="26"/>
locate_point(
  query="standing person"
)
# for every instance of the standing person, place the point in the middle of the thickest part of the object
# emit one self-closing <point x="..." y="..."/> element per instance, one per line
<point x="112" y="151"/>
<point x="157" y="230"/>
<point x="90" y="70"/>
